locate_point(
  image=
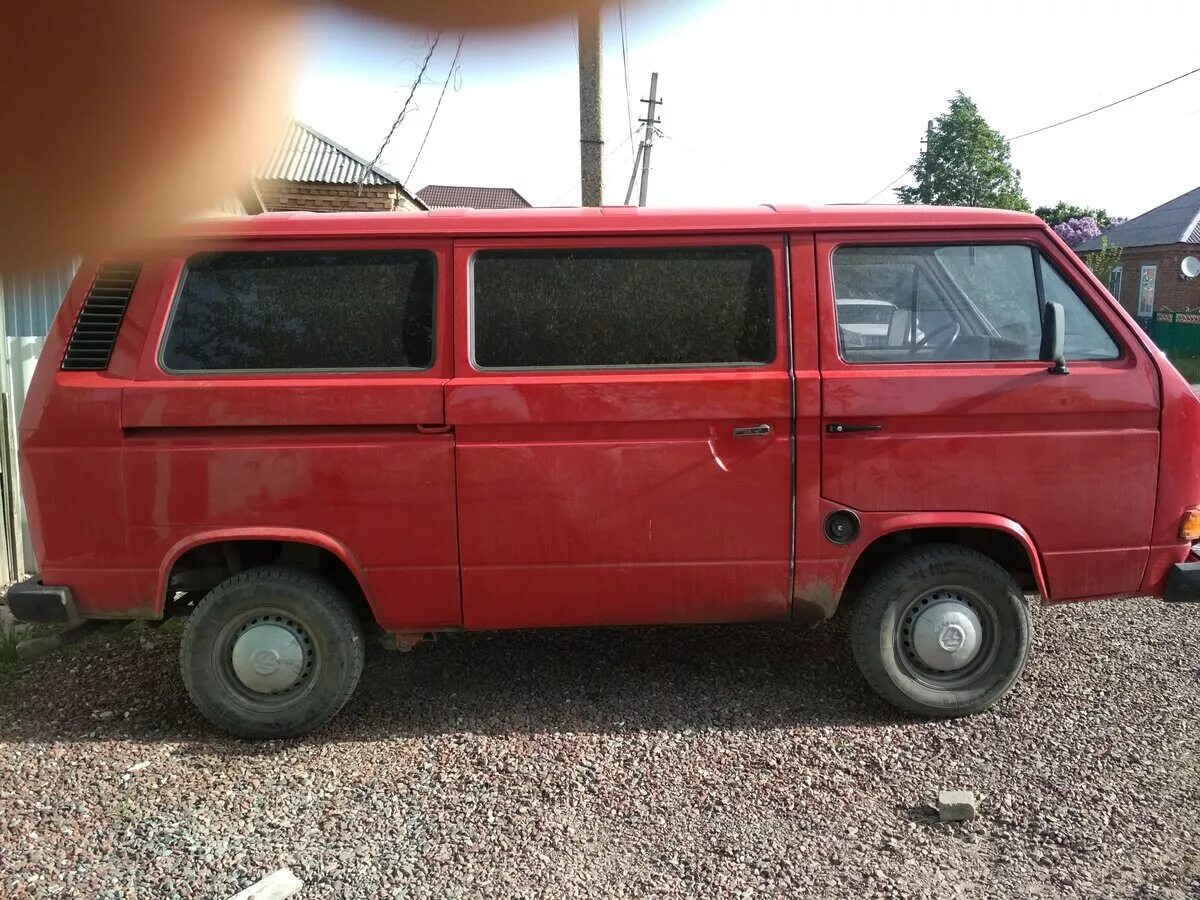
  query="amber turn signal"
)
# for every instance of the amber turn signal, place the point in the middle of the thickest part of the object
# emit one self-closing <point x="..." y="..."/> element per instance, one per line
<point x="1189" y="528"/>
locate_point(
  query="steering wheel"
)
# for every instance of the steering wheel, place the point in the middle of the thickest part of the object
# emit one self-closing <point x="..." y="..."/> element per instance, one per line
<point x="954" y="330"/>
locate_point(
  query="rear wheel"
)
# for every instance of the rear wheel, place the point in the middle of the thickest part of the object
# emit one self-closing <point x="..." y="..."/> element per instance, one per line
<point x="271" y="653"/>
<point x="941" y="631"/>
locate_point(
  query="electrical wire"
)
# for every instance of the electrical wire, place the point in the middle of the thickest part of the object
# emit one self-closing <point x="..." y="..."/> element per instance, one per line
<point x="1082" y="115"/>
<point x="607" y="156"/>
<point x="400" y="118"/>
<point x="888" y="185"/>
<point x="1104" y="107"/>
<point x="658" y="132"/>
<point x="433" y="118"/>
<point x="625" y="61"/>
<point x="714" y="161"/>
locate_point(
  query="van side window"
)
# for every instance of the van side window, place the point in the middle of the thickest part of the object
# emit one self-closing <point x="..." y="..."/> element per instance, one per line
<point x="594" y="308"/>
<point x="1085" y="336"/>
<point x="955" y="302"/>
<point x="303" y="310"/>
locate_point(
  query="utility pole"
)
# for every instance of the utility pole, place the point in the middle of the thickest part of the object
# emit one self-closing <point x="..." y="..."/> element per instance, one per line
<point x="591" y="140"/>
<point x="928" y="139"/>
<point x="648" y="142"/>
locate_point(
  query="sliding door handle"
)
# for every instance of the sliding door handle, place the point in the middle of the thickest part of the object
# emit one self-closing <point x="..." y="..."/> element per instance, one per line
<point x="839" y="428"/>
<point x="752" y="431"/>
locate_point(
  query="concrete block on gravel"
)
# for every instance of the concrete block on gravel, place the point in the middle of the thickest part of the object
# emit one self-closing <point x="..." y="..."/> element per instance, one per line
<point x="279" y="885"/>
<point x="957" y="806"/>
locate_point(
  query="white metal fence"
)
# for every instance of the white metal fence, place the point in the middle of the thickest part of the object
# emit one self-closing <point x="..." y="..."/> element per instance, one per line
<point x="29" y="305"/>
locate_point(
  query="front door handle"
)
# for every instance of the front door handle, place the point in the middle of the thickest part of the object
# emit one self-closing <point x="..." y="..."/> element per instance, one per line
<point x="839" y="428"/>
<point x="752" y="431"/>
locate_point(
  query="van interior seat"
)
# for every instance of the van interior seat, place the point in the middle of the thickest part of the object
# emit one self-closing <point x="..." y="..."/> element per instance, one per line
<point x="898" y="328"/>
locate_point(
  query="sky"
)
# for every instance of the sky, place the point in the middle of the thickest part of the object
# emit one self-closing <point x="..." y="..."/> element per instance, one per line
<point x="779" y="102"/>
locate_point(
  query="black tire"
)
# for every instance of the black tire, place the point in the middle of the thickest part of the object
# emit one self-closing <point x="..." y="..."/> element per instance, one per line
<point x="880" y="633"/>
<point x="312" y="613"/>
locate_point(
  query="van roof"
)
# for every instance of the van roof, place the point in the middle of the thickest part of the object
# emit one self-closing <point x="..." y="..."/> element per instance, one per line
<point x="604" y="220"/>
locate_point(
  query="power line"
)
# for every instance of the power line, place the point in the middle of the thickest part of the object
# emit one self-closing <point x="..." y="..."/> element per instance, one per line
<point x="400" y="118"/>
<point x="625" y="60"/>
<point x="710" y="158"/>
<point x="580" y="181"/>
<point x="1056" y="124"/>
<point x="888" y="185"/>
<point x="683" y="146"/>
<point x="1104" y="107"/>
<point x="449" y="74"/>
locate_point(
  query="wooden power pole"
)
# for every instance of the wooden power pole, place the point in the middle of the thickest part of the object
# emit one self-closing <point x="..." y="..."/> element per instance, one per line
<point x="591" y="140"/>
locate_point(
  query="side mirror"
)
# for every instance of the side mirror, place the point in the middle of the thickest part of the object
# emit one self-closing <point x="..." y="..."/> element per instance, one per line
<point x="1054" y="336"/>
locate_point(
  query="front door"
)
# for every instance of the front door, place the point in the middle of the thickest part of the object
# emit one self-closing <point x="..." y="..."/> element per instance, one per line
<point x="621" y="410"/>
<point x="934" y="398"/>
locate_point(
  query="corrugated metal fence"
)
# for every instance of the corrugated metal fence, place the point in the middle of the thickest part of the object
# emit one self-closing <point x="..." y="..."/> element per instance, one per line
<point x="30" y="303"/>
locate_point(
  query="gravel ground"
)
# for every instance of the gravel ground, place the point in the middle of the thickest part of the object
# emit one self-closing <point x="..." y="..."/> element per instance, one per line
<point x="713" y="762"/>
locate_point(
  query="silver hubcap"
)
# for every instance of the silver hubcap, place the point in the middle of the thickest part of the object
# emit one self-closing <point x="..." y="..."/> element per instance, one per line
<point x="271" y="657"/>
<point x="945" y="633"/>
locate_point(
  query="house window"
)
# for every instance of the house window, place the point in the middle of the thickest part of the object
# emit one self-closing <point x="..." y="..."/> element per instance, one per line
<point x="303" y="310"/>
<point x="1146" y="291"/>
<point x="622" y="307"/>
<point x="1114" y="282"/>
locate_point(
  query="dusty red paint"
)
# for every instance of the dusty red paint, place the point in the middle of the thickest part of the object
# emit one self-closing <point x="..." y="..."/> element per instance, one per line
<point x="1050" y="452"/>
<point x="472" y="499"/>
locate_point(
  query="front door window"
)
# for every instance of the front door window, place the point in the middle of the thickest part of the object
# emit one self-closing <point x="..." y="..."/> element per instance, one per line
<point x="955" y="303"/>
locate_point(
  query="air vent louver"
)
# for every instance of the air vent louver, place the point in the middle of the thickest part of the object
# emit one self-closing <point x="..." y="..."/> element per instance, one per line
<point x="95" y="334"/>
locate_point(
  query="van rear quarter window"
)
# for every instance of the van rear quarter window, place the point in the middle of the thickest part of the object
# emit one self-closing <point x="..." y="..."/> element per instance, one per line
<point x="303" y="310"/>
<point x="626" y="307"/>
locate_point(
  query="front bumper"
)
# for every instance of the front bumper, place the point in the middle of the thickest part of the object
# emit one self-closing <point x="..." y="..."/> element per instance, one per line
<point x="32" y="601"/>
<point x="1183" y="582"/>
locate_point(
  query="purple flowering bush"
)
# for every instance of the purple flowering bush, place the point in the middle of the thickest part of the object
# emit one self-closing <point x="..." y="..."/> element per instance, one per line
<point x="1076" y="231"/>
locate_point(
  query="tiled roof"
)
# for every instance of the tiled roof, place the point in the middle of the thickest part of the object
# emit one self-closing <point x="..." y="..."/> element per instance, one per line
<point x="305" y="155"/>
<point x="1176" y="221"/>
<point x="437" y="196"/>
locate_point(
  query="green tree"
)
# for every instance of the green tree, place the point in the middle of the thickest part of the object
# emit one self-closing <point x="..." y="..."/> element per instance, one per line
<point x="1063" y="212"/>
<point x="965" y="163"/>
<point x="1104" y="260"/>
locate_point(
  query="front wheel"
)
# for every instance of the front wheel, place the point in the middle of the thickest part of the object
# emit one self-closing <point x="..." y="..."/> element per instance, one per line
<point x="272" y="653"/>
<point x="941" y="631"/>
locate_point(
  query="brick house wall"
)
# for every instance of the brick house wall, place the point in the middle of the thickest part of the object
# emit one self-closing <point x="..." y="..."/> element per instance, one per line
<point x="1171" y="291"/>
<point x="278" y="196"/>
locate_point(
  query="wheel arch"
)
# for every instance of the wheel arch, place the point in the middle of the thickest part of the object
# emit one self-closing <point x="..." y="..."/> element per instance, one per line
<point x="999" y="538"/>
<point x="284" y="536"/>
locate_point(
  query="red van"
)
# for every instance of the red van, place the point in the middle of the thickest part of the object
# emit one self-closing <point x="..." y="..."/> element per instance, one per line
<point x="297" y="429"/>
